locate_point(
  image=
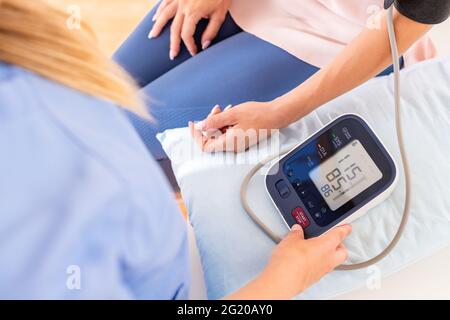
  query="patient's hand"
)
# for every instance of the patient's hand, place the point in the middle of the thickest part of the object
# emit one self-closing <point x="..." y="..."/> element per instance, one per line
<point x="187" y="14"/>
<point x="296" y="264"/>
<point x="237" y="128"/>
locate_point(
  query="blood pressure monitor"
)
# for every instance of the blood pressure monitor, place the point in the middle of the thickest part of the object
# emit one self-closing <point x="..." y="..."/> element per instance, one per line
<point x="332" y="178"/>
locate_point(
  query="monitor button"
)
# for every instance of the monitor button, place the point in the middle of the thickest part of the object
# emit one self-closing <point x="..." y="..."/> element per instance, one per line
<point x="297" y="183"/>
<point x="283" y="189"/>
<point x="300" y="217"/>
<point x="303" y="193"/>
<point x="311" y="203"/>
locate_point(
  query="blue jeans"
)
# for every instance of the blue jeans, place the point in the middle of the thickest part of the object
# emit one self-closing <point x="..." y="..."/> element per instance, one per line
<point x="238" y="67"/>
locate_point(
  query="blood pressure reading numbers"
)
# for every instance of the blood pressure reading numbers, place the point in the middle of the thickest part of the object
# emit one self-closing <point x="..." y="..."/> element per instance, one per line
<point x="345" y="175"/>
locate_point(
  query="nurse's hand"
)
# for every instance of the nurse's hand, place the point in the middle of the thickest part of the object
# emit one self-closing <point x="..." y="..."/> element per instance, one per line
<point x="296" y="264"/>
<point x="187" y="14"/>
<point x="237" y="128"/>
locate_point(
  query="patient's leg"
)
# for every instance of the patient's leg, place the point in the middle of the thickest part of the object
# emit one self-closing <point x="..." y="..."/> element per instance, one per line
<point x="147" y="60"/>
<point x="238" y="69"/>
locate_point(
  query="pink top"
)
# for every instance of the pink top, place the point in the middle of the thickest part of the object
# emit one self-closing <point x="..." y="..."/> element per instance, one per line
<point x="315" y="30"/>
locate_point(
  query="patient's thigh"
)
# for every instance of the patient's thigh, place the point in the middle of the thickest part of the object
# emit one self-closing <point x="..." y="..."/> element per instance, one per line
<point x="238" y="69"/>
<point x="146" y="60"/>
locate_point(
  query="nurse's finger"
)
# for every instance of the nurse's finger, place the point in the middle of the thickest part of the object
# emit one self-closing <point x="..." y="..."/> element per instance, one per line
<point x="187" y="33"/>
<point x="335" y="237"/>
<point x="175" y="36"/>
<point x="297" y="231"/>
<point x="163" y="18"/>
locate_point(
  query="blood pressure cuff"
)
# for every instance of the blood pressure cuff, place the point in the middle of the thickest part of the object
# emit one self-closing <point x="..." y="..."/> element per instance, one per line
<point x="422" y="11"/>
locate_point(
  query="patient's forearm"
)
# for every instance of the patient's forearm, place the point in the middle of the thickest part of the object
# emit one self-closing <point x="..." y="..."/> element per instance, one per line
<point x="365" y="57"/>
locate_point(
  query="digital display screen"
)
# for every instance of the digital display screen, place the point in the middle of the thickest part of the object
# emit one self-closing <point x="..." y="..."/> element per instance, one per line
<point x="346" y="174"/>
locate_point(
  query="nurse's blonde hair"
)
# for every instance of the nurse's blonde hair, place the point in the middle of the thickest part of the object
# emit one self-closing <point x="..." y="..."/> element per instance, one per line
<point x="37" y="36"/>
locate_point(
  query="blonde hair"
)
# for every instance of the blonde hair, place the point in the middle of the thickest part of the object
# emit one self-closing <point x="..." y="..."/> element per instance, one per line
<point x="35" y="36"/>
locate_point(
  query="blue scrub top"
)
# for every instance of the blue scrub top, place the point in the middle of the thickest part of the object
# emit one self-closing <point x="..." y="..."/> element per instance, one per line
<point x="84" y="210"/>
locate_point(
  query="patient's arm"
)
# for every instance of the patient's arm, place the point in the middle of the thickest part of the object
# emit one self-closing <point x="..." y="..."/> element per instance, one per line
<point x="365" y="57"/>
<point x="296" y="264"/>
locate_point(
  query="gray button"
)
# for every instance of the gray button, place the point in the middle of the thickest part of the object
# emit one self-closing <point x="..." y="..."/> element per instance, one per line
<point x="283" y="189"/>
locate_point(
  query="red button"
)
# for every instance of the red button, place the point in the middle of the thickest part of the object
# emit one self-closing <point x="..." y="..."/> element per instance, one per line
<point x="301" y="218"/>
